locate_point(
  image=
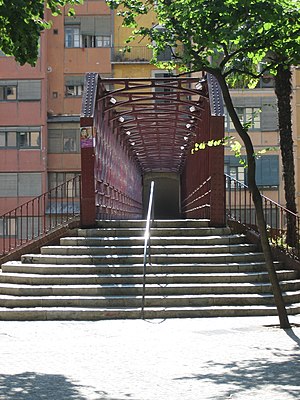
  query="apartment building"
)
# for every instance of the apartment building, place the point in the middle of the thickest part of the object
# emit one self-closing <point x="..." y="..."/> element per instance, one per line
<point x="40" y="106"/>
<point x="23" y="134"/>
<point x="257" y="107"/>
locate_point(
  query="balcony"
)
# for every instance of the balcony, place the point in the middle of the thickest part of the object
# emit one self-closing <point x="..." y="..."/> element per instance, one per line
<point x="141" y="54"/>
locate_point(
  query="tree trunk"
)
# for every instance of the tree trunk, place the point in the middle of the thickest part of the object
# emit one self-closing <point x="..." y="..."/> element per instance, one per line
<point x="257" y="199"/>
<point x="283" y="90"/>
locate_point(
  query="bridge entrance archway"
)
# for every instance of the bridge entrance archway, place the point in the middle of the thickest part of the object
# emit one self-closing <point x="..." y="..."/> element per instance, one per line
<point x="135" y="129"/>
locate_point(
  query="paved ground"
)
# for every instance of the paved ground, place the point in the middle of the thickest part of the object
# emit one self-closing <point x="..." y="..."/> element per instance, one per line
<point x="190" y="359"/>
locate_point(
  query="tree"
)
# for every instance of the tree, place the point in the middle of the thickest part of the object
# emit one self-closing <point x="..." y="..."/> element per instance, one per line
<point x="21" y="24"/>
<point x="221" y="37"/>
<point x="282" y="50"/>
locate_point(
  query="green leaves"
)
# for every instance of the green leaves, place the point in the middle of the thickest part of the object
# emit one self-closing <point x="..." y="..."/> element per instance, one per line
<point x="21" y="24"/>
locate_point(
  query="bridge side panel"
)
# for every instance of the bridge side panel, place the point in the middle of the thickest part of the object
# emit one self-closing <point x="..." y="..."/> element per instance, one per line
<point x="111" y="178"/>
<point x="203" y="187"/>
<point x="195" y="179"/>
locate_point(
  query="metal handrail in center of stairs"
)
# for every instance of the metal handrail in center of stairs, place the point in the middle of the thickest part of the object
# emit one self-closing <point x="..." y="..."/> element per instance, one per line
<point x="147" y="244"/>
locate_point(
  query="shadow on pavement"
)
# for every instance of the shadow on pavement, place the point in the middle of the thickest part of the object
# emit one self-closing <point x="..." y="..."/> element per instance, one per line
<point x="293" y="336"/>
<point x="35" y="386"/>
<point x="255" y="374"/>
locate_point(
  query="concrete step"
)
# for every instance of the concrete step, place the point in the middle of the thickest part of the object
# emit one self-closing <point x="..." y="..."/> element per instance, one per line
<point x="171" y="231"/>
<point x="155" y="240"/>
<point x="113" y="259"/>
<point x="181" y="250"/>
<point x="94" y="314"/>
<point x="172" y="268"/>
<point x="94" y="274"/>
<point x="167" y="301"/>
<point x="162" y="223"/>
<point x="179" y="301"/>
<point x="159" y="278"/>
<point x="151" y="289"/>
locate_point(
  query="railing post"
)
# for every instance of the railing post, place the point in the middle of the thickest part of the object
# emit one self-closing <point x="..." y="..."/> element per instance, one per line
<point x="88" y="201"/>
<point x="216" y="166"/>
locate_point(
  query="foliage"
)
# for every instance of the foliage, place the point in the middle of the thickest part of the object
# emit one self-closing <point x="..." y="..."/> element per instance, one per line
<point x="233" y="36"/>
<point x="234" y="145"/>
<point x="21" y="24"/>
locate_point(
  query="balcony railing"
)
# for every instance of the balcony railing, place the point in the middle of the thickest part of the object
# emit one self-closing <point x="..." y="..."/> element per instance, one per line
<point x="40" y="216"/>
<point x="142" y="54"/>
<point x="240" y="208"/>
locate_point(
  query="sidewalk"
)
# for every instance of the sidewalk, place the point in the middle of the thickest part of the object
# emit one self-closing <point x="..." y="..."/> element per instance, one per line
<point x="184" y="359"/>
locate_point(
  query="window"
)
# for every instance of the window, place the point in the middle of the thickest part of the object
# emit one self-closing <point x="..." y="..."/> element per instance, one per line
<point x="72" y="36"/>
<point x="247" y="115"/>
<point x="88" y="31"/>
<point x="160" y="89"/>
<point x="29" y="140"/>
<point x="8" y="92"/>
<point x="234" y="169"/>
<point x="95" y="41"/>
<point x="70" y="189"/>
<point x="74" y="90"/>
<point x="74" y="85"/>
<point x="8" y="139"/>
<point x="7" y="226"/>
<point x="20" y="90"/>
<point x="20" y="139"/>
<point x="63" y="140"/>
<point x="102" y="41"/>
<point x="267" y="170"/>
<point x="23" y="184"/>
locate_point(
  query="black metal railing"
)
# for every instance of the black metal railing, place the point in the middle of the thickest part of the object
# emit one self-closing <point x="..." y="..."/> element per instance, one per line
<point x="240" y="208"/>
<point x="147" y="244"/>
<point x="40" y="216"/>
<point x="143" y="54"/>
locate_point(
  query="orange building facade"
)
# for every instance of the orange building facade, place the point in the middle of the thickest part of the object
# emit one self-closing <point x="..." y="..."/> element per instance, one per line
<point x="40" y="107"/>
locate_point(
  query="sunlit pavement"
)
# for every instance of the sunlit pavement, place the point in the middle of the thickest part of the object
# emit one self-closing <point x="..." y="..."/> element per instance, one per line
<point x="217" y="358"/>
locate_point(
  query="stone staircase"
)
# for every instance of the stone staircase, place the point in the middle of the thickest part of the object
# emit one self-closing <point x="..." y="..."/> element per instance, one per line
<point x="196" y="271"/>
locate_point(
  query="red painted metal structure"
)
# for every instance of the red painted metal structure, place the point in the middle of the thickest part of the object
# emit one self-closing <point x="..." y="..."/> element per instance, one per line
<point x="146" y="125"/>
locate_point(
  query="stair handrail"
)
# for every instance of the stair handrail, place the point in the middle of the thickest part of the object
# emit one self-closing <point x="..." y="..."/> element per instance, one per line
<point x="42" y="215"/>
<point x="147" y="244"/>
<point x="239" y="207"/>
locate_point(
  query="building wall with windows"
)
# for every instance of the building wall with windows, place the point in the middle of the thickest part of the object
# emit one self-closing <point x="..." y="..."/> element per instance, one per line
<point x="40" y="106"/>
<point x="23" y="129"/>
<point x="258" y="109"/>
<point x="136" y="62"/>
<point x="76" y="45"/>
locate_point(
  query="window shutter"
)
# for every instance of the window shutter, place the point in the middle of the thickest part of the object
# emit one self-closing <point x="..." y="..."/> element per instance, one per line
<point x="72" y="20"/>
<point x="269" y="116"/>
<point x="29" y="90"/>
<point x="74" y="80"/>
<point x="55" y="141"/>
<point x="103" y="25"/>
<point x="267" y="170"/>
<point x="247" y="101"/>
<point x="8" y="185"/>
<point x="30" y="184"/>
<point x="233" y="161"/>
<point x="8" y="83"/>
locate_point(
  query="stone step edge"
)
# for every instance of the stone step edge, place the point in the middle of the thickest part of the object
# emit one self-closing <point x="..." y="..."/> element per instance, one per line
<point x="116" y="256"/>
<point x="118" y="309"/>
<point x="138" y="285"/>
<point x="149" y="274"/>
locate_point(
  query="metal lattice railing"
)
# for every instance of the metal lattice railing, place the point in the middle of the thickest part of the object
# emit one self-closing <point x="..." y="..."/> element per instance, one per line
<point x="283" y="226"/>
<point x="40" y="216"/>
